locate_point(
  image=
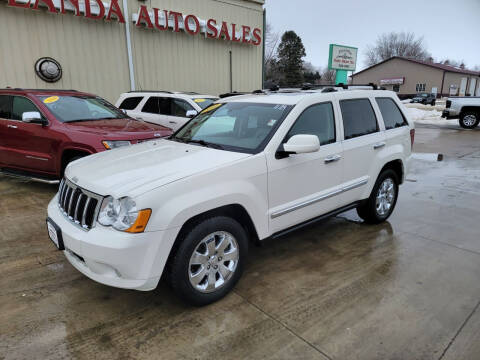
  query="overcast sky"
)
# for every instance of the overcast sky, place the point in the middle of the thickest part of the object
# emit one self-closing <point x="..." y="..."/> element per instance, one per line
<point x="451" y="28"/>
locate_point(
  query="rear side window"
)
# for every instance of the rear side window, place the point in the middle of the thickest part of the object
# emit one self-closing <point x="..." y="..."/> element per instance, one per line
<point x="358" y="118"/>
<point x="21" y="105"/>
<point x="130" y="103"/>
<point x="5" y="106"/>
<point x="392" y="116"/>
<point x="316" y="120"/>
<point x="152" y="106"/>
<point x="180" y="108"/>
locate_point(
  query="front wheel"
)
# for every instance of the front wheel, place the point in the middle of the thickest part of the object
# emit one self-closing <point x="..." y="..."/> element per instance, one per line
<point x="379" y="206"/>
<point x="209" y="261"/>
<point x="469" y="120"/>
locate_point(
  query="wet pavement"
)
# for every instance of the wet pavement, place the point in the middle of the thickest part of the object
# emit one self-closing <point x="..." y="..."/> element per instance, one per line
<point x="405" y="289"/>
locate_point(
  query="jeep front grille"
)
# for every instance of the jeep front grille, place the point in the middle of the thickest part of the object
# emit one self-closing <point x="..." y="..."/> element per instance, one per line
<point x="78" y="205"/>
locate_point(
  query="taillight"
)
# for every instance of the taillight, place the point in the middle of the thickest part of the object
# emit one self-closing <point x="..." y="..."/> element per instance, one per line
<point x="412" y="136"/>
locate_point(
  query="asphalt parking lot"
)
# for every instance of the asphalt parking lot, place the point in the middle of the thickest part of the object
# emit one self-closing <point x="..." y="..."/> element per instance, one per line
<point x="405" y="289"/>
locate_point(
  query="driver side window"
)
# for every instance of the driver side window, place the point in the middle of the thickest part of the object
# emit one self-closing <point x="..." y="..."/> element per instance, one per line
<point x="316" y="120"/>
<point x="20" y="105"/>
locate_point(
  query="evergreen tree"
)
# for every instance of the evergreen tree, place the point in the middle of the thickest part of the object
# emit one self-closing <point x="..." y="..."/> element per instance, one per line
<point x="290" y="63"/>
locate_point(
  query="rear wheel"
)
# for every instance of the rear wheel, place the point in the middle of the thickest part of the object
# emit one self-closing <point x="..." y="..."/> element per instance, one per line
<point x="209" y="261"/>
<point x="379" y="206"/>
<point x="469" y="120"/>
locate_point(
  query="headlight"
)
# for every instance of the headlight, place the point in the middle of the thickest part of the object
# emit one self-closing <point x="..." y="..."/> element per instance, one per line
<point x="113" y="144"/>
<point x="122" y="214"/>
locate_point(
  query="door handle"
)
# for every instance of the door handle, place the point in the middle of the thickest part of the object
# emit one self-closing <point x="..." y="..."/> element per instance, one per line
<point x="12" y="126"/>
<point x="139" y="118"/>
<point x="379" y="145"/>
<point x="332" y="158"/>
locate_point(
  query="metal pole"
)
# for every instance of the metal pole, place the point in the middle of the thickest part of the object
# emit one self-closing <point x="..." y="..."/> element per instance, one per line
<point x="263" y="47"/>
<point x="231" y="72"/>
<point x="129" y="46"/>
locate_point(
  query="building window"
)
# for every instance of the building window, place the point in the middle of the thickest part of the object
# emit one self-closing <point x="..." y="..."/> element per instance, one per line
<point x="420" y="87"/>
<point x="396" y="88"/>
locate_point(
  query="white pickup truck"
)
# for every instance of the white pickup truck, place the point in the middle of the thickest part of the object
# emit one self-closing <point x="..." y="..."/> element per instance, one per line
<point x="247" y="168"/>
<point x="466" y="109"/>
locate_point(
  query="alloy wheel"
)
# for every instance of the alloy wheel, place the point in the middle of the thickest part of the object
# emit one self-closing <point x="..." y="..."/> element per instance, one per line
<point x="385" y="197"/>
<point x="469" y="120"/>
<point x="213" y="262"/>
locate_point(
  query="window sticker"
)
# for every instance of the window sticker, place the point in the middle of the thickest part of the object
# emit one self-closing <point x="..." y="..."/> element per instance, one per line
<point x="199" y="100"/>
<point x="210" y="108"/>
<point x="271" y="122"/>
<point x="51" y="99"/>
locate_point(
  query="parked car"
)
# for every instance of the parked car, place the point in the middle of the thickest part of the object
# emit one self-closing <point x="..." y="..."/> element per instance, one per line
<point x="248" y="168"/>
<point x="425" y="98"/>
<point x="41" y="131"/>
<point x="169" y="109"/>
<point x="465" y="109"/>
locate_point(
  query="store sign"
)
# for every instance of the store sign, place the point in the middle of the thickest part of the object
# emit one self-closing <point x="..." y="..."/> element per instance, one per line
<point x="152" y="19"/>
<point x="392" y="81"/>
<point x="342" y="57"/>
<point x="92" y="9"/>
<point x="162" y="20"/>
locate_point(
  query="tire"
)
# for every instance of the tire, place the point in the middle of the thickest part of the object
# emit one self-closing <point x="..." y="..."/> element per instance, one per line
<point x="196" y="255"/>
<point x="433" y="102"/>
<point x="369" y="211"/>
<point x="469" y="120"/>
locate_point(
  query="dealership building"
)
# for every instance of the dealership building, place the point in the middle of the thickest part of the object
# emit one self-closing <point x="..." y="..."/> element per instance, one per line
<point x="113" y="46"/>
<point x="408" y="77"/>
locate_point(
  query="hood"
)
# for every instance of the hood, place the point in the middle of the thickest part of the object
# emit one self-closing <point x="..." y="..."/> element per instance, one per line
<point x="119" y="128"/>
<point x="138" y="168"/>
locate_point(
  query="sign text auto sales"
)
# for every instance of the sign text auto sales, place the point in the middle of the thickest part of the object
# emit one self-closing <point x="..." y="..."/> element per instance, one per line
<point x="154" y="19"/>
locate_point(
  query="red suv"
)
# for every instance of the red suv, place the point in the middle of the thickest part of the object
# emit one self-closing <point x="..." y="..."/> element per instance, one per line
<point x="41" y="131"/>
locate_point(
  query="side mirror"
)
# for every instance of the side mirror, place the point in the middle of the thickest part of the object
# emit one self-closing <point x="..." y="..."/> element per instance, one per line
<point x="302" y="144"/>
<point x="191" y="113"/>
<point x="33" y="117"/>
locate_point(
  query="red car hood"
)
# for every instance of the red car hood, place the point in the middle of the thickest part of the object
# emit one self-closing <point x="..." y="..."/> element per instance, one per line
<point x="120" y="127"/>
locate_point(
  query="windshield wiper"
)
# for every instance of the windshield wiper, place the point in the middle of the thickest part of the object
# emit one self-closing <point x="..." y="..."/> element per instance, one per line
<point x="204" y="143"/>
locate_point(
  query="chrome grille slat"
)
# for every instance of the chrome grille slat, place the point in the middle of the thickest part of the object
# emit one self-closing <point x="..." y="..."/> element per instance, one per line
<point x="84" y="215"/>
<point x="65" y="199"/>
<point x="70" y="203"/>
<point x="75" y="215"/>
<point x="78" y="205"/>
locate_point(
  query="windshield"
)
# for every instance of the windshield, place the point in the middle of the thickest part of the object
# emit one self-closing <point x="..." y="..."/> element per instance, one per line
<point x="423" y="95"/>
<point x="235" y="126"/>
<point x="204" y="103"/>
<point x="80" y="108"/>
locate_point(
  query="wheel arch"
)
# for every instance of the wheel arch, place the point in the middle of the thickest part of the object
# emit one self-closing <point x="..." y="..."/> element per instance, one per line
<point x="465" y="109"/>
<point x="234" y="211"/>
<point x="397" y="166"/>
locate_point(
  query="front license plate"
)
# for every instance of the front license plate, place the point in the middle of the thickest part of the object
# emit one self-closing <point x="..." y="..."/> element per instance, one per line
<point x="55" y="234"/>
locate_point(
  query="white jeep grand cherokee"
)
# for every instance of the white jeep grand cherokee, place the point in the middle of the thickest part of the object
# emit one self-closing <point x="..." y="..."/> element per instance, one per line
<point x="250" y="167"/>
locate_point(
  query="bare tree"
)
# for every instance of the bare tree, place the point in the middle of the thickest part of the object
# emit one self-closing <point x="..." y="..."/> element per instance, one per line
<point x="271" y="42"/>
<point x="396" y="44"/>
<point x="328" y="76"/>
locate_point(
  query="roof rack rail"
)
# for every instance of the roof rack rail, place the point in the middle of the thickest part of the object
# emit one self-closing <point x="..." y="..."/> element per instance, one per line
<point x="348" y="86"/>
<point x="188" y="93"/>
<point x="151" y="91"/>
<point x="233" y="93"/>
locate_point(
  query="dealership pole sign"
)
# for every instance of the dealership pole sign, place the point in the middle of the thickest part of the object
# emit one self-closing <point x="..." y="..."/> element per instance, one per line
<point x="342" y="59"/>
<point x="155" y="19"/>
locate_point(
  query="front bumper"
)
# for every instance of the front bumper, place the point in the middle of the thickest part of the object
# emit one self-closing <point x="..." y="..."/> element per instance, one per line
<point x="115" y="258"/>
<point x="447" y="114"/>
